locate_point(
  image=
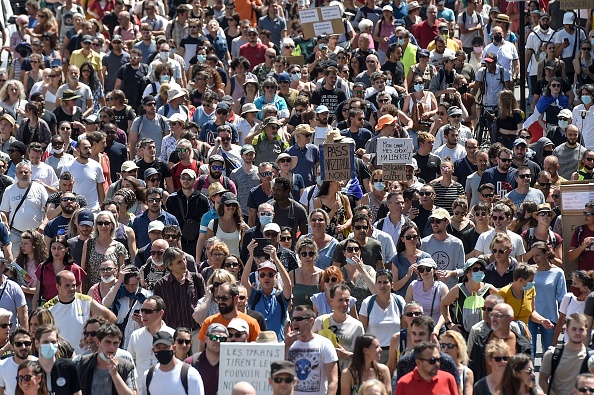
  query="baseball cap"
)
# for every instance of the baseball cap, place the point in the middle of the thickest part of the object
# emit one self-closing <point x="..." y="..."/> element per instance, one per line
<point x="229" y="198"/>
<point x="148" y="99"/>
<point x="428" y="262"/>
<point x="440" y="213"/>
<point x="470" y="262"/>
<point x="273" y="226"/>
<point x="88" y="39"/>
<point x="283" y="77"/>
<point x="267" y="265"/>
<point x="189" y="172"/>
<point x="565" y="113"/>
<point x="216" y="327"/>
<point x="117" y="37"/>
<point x="321" y="109"/>
<point x="128" y="166"/>
<point x="86" y="217"/>
<point x="454" y="110"/>
<point x="163" y="337"/>
<point x="239" y="325"/>
<point x="247" y="149"/>
<point x="520" y="141"/>
<point x="215" y="158"/>
<point x="223" y="106"/>
<point x="282" y="367"/>
<point x="155" y="225"/>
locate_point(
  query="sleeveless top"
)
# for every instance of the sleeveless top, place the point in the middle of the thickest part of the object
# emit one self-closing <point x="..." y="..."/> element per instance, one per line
<point x="430" y="299"/>
<point x="232" y="239"/>
<point x="302" y="293"/>
<point x="120" y="236"/>
<point x="50" y="100"/>
<point x="372" y="206"/>
<point x="425" y="100"/>
<point x="237" y="93"/>
<point x="338" y="219"/>
<point x="386" y="30"/>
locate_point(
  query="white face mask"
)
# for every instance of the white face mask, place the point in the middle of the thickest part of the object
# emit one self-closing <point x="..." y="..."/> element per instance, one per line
<point x="109" y="279"/>
<point x="163" y="55"/>
<point x="58" y="151"/>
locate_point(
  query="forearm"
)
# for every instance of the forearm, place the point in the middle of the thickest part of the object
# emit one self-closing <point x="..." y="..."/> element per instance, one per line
<point x="201" y="311"/>
<point x="120" y="385"/>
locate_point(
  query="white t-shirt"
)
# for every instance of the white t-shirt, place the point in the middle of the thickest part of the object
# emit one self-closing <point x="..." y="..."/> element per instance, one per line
<point x="456" y="153"/>
<point x="484" y="241"/>
<point x="30" y="214"/>
<point x="569" y="305"/>
<point x="44" y="173"/>
<point x="347" y="333"/>
<point x="383" y="323"/>
<point x="70" y="318"/>
<point x="8" y="373"/>
<point x="170" y="382"/>
<point x="310" y="359"/>
<point x="87" y="176"/>
<point x="560" y="37"/>
<point x="535" y="41"/>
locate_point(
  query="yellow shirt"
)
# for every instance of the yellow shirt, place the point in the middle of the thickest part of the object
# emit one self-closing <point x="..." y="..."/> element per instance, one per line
<point x="77" y="58"/>
<point x="450" y="44"/>
<point x="409" y="58"/>
<point x="522" y="307"/>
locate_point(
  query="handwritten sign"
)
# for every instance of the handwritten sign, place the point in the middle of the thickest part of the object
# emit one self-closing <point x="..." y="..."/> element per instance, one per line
<point x="394" y="150"/>
<point x="321" y="20"/>
<point x="337" y="161"/>
<point x="574" y="200"/>
<point x="394" y="171"/>
<point x="576" y="4"/>
<point x="248" y="362"/>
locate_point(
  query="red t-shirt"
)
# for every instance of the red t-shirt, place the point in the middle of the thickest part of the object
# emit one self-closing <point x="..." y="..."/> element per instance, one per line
<point x="412" y="383"/>
<point x="586" y="259"/>
<point x="177" y="169"/>
<point x="425" y="33"/>
<point x="49" y="278"/>
<point x="254" y="54"/>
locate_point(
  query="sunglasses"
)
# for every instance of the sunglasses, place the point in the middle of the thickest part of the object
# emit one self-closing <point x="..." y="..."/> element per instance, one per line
<point x="487" y="195"/>
<point x="285" y="238"/>
<point x="106" y="269"/>
<point x="504" y="358"/>
<point x="157" y="253"/>
<point x="331" y="280"/>
<point x="588" y="214"/>
<point x="91" y="333"/>
<point x="299" y="319"/>
<point x="353" y="249"/>
<point x="449" y="346"/>
<point x="501" y="251"/>
<point x="269" y="275"/>
<point x="284" y="160"/>
<point x="218" y="338"/>
<point x="425" y="193"/>
<point x="424" y="269"/>
<point x="555" y="85"/>
<point x="4" y="326"/>
<point x="154" y="179"/>
<point x="148" y="311"/>
<point x="546" y="214"/>
<point x="221" y="298"/>
<point x="266" y="174"/>
<point x="556" y="196"/>
<point x="310" y="254"/>
<point x="498" y="217"/>
<point x="103" y="223"/>
<point x="477" y="269"/>
<point x="436" y="220"/>
<point x="237" y="335"/>
<point x="169" y="236"/>
<point x="286" y="380"/>
<point x="505" y="160"/>
<point x="26" y="377"/>
<point x="68" y="199"/>
<point x="182" y="342"/>
<point x="432" y="361"/>
<point x="23" y="344"/>
<point x="460" y="213"/>
<point x="413" y="314"/>
<point x="217" y="167"/>
<point x="524" y="176"/>
<point x="361" y="227"/>
<point x="231" y="264"/>
<point x="153" y="200"/>
<point x="411" y="237"/>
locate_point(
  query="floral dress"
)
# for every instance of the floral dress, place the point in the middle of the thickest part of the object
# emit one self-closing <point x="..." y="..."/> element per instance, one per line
<point x="338" y="219"/>
<point x="94" y="259"/>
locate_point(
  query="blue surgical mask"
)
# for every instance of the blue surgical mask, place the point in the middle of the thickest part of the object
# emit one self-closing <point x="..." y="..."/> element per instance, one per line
<point x="163" y="55"/>
<point x="201" y="58"/>
<point x="389" y="82"/>
<point x="349" y="261"/>
<point x="592" y="41"/>
<point x="477" y="277"/>
<point x="48" y="351"/>
<point x="319" y="181"/>
<point x="586" y="99"/>
<point x="419" y="87"/>
<point x="379" y="186"/>
<point x="103" y="356"/>
<point x="528" y="286"/>
<point x="165" y="79"/>
<point x="296" y="77"/>
<point x="265" y="220"/>
<point x="400" y="41"/>
<point x="563" y="123"/>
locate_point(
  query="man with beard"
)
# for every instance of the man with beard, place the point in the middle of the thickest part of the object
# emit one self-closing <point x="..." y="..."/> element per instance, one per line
<point x="524" y="192"/>
<point x="536" y="45"/>
<point x="267" y="140"/>
<point x="210" y="130"/>
<point x="105" y="367"/>
<point x="59" y="225"/>
<point x="184" y="154"/>
<point x="323" y="125"/>
<point x="520" y="159"/>
<point x="481" y="162"/>
<point x="286" y="256"/>
<point x="502" y="175"/>
<point x="227" y="299"/>
<point x="130" y="75"/>
<point x="84" y="228"/>
<point x="215" y="174"/>
<point x="108" y="115"/>
<point x="150" y="159"/>
<point x="570" y="152"/>
<point x="329" y="95"/>
<point x="241" y="330"/>
<point x="288" y="212"/>
<point x="149" y="125"/>
<point x="20" y="341"/>
<point x="254" y="51"/>
<point x="117" y="152"/>
<point x="88" y="175"/>
<point x="587" y="170"/>
<point x="207" y="362"/>
<point x="223" y="146"/>
<point x="154" y="198"/>
<point x="451" y="148"/>
<point x="507" y="54"/>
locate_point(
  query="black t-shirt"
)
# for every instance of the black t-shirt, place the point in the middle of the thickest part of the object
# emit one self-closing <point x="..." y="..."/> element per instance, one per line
<point x="328" y="98"/>
<point x="62" y="116"/>
<point x="158" y="164"/>
<point x="131" y="80"/>
<point x="50" y="118"/>
<point x="64" y="378"/>
<point x="123" y="116"/>
<point x="512" y="122"/>
<point x="397" y="71"/>
<point x="428" y="166"/>
<point x="541" y="87"/>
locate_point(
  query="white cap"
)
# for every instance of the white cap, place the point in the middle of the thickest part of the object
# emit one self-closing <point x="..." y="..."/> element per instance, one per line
<point x="568" y="18"/>
<point x="155" y="225"/>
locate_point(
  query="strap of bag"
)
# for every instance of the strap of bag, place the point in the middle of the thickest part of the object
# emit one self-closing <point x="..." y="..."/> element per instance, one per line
<point x="40" y="282"/>
<point x="19" y="206"/>
<point x="181" y="207"/>
<point x="557" y="352"/>
<point x="433" y="301"/>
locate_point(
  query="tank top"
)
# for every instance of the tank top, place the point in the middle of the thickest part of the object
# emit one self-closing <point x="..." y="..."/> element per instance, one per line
<point x="386" y="30"/>
<point x="302" y="293"/>
<point x="237" y="93"/>
<point x="121" y="236"/>
<point x="231" y="239"/>
<point x="50" y="100"/>
<point x="430" y="299"/>
<point x="374" y="207"/>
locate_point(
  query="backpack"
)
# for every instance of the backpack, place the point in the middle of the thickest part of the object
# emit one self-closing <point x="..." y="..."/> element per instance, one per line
<point x="396" y="299"/>
<point x="483" y="86"/>
<point x="327" y="332"/>
<point x="161" y="122"/>
<point x="471" y="309"/>
<point x="278" y="297"/>
<point x="557" y="352"/>
<point x="479" y="17"/>
<point x="184" y="377"/>
<point x="532" y="237"/>
<point x="201" y="181"/>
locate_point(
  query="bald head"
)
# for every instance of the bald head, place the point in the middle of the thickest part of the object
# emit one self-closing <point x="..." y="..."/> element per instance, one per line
<point x="504" y="309"/>
<point x="243" y="388"/>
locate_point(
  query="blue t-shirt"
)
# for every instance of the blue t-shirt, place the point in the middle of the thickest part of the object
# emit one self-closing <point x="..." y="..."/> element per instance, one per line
<point x="361" y="137"/>
<point x="446" y="14"/>
<point x="206" y="218"/>
<point x="4" y="237"/>
<point x="57" y="227"/>
<point x="271" y="309"/>
<point x="257" y="197"/>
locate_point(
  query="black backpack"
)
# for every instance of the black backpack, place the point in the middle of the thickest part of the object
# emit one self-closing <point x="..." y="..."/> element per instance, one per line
<point x="557" y="358"/>
<point x="184" y="377"/>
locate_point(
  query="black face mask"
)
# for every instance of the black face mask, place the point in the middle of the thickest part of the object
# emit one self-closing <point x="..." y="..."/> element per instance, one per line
<point x="498" y="38"/>
<point x="463" y="89"/>
<point x="164" y="356"/>
<point x="546" y="153"/>
<point x="23" y="52"/>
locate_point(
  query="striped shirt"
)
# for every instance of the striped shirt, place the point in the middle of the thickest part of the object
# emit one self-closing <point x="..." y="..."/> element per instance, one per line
<point x="180" y="298"/>
<point x="445" y="196"/>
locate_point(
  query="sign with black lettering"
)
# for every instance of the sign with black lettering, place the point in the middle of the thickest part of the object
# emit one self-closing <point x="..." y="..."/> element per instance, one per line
<point x="394" y="150"/>
<point x="248" y="362"/>
<point x="576" y="4"/>
<point x="394" y="171"/>
<point x="337" y="161"/>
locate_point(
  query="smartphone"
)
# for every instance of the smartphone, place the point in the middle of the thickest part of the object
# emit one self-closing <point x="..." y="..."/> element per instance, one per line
<point x="416" y="204"/>
<point x="259" y="250"/>
<point x="566" y="40"/>
<point x="136" y="311"/>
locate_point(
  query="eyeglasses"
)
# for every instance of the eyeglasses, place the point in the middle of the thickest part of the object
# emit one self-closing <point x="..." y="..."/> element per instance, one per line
<point x="361" y="227"/>
<point x="186" y="178"/>
<point x="158" y="253"/>
<point x="218" y="255"/>
<point x="588" y="214"/>
<point x="23" y="344"/>
<point x="583" y="390"/>
<point x="460" y="213"/>
<point x="270" y="275"/>
<point x="449" y="346"/>
<point x="411" y="237"/>
<point x="286" y="380"/>
<point x="487" y="195"/>
<point x="424" y="269"/>
<point x="285" y="238"/>
<point x="501" y="251"/>
<point x="436" y="220"/>
<point x="90" y="333"/>
<point x="331" y="280"/>
<point x="352" y="249"/>
<point x="425" y="193"/>
<point x="299" y="318"/>
<point x="525" y="136"/>
<point x="413" y="314"/>
<point x="524" y="176"/>
<point x="221" y="298"/>
<point x="222" y="112"/>
<point x="505" y="160"/>
<point x="317" y="220"/>
<point x="149" y="311"/>
<point x="487" y="309"/>
<point x="431" y="361"/>
<point x="555" y="85"/>
<point x="218" y="338"/>
<point x="26" y="377"/>
<point x="304" y="254"/>
<point x="498" y="217"/>
<point x="231" y="264"/>
<point x="154" y="179"/>
<point x="106" y="269"/>
<point x="103" y="223"/>
<point x="529" y="371"/>
<point x="153" y="200"/>
<point x="68" y="199"/>
<point x="182" y="342"/>
<point x="504" y="358"/>
<point x="266" y="174"/>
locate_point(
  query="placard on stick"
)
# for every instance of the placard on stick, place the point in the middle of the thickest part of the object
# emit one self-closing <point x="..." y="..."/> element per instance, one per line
<point x="337" y="161"/>
<point x="394" y="150"/>
<point x="394" y="171"/>
<point x="321" y="20"/>
<point x="577" y="4"/>
<point x="248" y="362"/>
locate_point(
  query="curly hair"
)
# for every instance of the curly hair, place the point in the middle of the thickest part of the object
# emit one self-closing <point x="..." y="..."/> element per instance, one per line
<point x="9" y="83"/>
<point x="39" y="249"/>
<point x="138" y="189"/>
<point x="237" y="216"/>
<point x="329" y="272"/>
<point x="216" y="77"/>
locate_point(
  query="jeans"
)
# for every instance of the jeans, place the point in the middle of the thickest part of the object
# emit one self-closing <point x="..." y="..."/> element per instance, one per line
<point x="546" y="336"/>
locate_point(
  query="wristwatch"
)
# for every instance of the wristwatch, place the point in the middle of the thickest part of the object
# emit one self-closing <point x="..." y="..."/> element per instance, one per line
<point x="447" y="324"/>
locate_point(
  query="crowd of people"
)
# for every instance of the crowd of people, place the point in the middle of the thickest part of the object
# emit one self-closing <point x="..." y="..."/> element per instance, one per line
<point x="161" y="193"/>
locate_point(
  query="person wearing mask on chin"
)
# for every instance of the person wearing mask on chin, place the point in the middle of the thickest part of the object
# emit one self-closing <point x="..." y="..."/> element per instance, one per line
<point x="164" y="377"/>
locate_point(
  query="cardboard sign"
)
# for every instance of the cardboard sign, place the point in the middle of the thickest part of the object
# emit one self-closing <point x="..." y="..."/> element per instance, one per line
<point x="321" y="20"/>
<point x="394" y="150"/>
<point x="337" y="161"/>
<point x="394" y="171"/>
<point x="577" y="4"/>
<point x="300" y="60"/>
<point x="248" y="362"/>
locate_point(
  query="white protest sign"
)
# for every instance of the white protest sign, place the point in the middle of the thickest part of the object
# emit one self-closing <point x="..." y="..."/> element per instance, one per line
<point x="248" y="362"/>
<point x="394" y="150"/>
